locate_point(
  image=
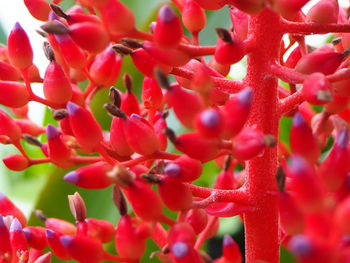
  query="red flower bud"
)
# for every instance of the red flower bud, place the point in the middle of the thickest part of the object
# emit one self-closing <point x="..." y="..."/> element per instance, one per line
<point x="127" y="241"/>
<point x="117" y="18"/>
<point x="36" y="237"/>
<point x="58" y="151"/>
<point x="231" y="251"/>
<point x="17" y="237"/>
<point x="184" y="168"/>
<point x="197" y="147"/>
<point x="324" y="12"/>
<point x="168" y="29"/>
<point x="39" y="9"/>
<point x="341" y="88"/>
<point x="186" y="105"/>
<point x="197" y="218"/>
<point x="16" y="162"/>
<point x="229" y="49"/>
<point x="146" y="63"/>
<point x="291" y="217"/>
<point x="118" y="139"/>
<point x="248" y="144"/>
<point x="210" y="123"/>
<point x="323" y="62"/>
<point x="239" y="107"/>
<point x="193" y="16"/>
<point x="170" y="56"/>
<point x="60" y="226"/>
<point x="140" y="135"/>
<point x="8" y="72"/>
<point x="29" y="127"/>
<point x="71" y="53"/>
<point x="289" y="8"/>
<point x="316" y="89"/>
<point x="57" y="87"/>
<point x="7" y="208"/>
<point x="93" y="176"/>
<point x="20" y="52"/>
<point x="100" y="229"/>
<point x="240" y="22"/>
<point x="83" y="249"/>
<point x="5" y="244"/>
<point x="335" y="167"/>
<point x="293" y="58"/>
<point x="225" y="180"/>
<point x="144" y="201"/>
<point x="57" y="248"/>
<point x="302" y="141"/>
<point x="181" y="232"/>
<point x="81" y="34"/>
<point x="152" y="95"/>
<point x="14" y="94"/>
<point x="86" y="129"/>
<point x="175" y="195"/>
<point x="304" y="185"/>
<point x="105" y="68"/>
<point x="130" y="103"/>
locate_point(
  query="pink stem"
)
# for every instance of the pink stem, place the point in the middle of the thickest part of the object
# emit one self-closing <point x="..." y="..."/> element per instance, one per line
<point x="313" y="28"/>
<point x="289" y="103"/>
<point x="287" y="74"/>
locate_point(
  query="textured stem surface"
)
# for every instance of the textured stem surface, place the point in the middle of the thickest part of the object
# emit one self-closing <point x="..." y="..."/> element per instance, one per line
<point x="261" y="226"/>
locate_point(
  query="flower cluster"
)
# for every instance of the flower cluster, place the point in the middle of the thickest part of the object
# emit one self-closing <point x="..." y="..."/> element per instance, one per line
<point x="294" y="195"/>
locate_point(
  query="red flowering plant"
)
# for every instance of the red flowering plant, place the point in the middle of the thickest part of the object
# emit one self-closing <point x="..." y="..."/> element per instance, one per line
<point x="292" y="193"/>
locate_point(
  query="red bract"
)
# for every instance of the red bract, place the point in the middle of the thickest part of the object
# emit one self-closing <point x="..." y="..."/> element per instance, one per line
<point x="94" y="176"/>
<point x="193" y="16"/>
<point x="229" y="50"/>
<point x="39" y="9"/>
<point x="325" y="11"/>
<point x="84" y="126"/>
<point x="184" y="168"/>
<point x="168" y="30"/>
<point x="316" y="89"/>
<point x="20" y="52"/>
<point x="7" y="208"/>
<point x="16" y="162"/>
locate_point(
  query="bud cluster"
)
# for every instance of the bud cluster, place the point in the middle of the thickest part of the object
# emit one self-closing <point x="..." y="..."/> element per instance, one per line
<point x="299" y="192"/>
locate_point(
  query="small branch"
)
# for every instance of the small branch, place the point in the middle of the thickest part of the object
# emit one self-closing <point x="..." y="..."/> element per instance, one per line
<point x="205" y="233"/>
<point x="222" y="84"/>
<point x="213" y="198"/>
<point x="287" y="74"/>
<point x="157" y="155"/>
<point x="197" y="51"/>
<point x="313" y="28"/>
<point x="238" y="195"/>
<point x="289" y="103"/>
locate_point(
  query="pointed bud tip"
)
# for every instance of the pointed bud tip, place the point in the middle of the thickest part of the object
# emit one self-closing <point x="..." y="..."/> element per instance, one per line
<point x="228" y="240"/>
<point x="166" y="14"/>
<point x="343" y="138"/>
<point x="298" y="119"/>
<point x="180" y="249"/>
<point x="71" y="177"/>
<point x="66" y="240"/>
<point x="172" y="170"/>
<point x="245" y="96"/>
<point x="15" y="225"/>
<point x="2" y="222"/>
<point x="210" y="118"/>
<point x="51" y="131"/>
<point x="300" y="245"/>
<point x="17" y="26"/>
<point x="72" y="108"/>
<point x="297" y="163"/>
<point x="49" y="233"/>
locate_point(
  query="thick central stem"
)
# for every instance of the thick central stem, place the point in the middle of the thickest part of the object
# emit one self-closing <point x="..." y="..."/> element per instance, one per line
<point x="261" y="226"/>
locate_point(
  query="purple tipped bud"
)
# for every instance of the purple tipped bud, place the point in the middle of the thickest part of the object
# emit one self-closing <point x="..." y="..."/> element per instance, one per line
<point x="2" y="196"/>
<point x="72" y="108"/>
<point x="166" y="13"/>
<point x="15" y="225"/>
<point x="300" y="245"/>
<point x="172" y="170"/>
<point x="210" y="118"/>
<point x="245" y="96"/>
<point x="17" y="26"/>
<point x="297" y="164"/>
<point x="298" y="119"/>
<point x="228" y="240"/>
<point x="71" y="177"/>
<point x="180" y="249"/>
<point x="51" y="131"/>
<point x="49" y="233"/>
<point x="136" y="116"/>
<point x="53" y="16"/>
<point x="2" y="223"/>
<point x="66" y="240"/>
<point x="44" y="258"/>
<point x="343" y="138"/>
<point x="27" y="233"/>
